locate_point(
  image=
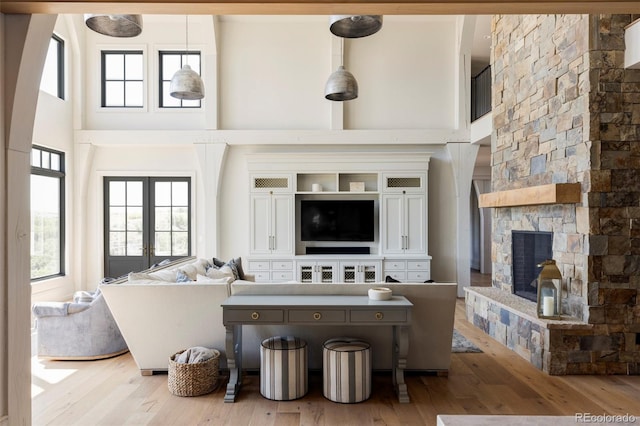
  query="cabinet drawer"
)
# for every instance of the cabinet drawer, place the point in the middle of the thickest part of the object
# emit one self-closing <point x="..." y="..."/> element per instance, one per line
<point x="419" y="265"/>
<point x="317" y="315"/>
<point x="418" y="276"/>
<point x="255" y="265"/>
<point x="253" y="315"/>
<point x="378" y="315"/>
<point x="282" y="266"/>
<point x="397" y="275"/>
<point x="394" y="265"/>
<point x="282" y="276"/>
<point x="261" y="277"/>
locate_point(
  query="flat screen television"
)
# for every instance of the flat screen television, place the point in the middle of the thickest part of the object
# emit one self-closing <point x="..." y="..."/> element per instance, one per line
<point x="337" y="220"/>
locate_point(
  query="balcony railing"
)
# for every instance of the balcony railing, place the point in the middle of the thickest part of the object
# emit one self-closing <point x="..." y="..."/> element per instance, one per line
<point x="481" y="94"/>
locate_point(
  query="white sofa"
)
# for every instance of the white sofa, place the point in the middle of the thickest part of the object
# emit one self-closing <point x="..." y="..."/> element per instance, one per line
<point x="158" y="319"/>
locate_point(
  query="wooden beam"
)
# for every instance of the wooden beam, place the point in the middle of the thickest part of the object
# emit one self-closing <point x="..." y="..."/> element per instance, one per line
<point x="555" y="193"/>
<point x="321" y="7"/>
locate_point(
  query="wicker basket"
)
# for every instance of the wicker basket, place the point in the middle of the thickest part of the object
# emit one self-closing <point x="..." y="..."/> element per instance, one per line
<point x="193" y="379"/>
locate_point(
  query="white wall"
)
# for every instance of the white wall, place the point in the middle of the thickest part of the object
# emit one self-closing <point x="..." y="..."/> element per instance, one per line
<point x="3" y="223"/>
<point x="53" y="128"/>
<point x="272" y="73"/>
<point x="406" y="74"/>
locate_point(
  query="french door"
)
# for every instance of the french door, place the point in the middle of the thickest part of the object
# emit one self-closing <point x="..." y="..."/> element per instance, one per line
<point x="146" y="220"/>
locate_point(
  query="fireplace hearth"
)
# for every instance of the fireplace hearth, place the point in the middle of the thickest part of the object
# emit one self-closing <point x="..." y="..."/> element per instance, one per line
<point x="529" y="249"/>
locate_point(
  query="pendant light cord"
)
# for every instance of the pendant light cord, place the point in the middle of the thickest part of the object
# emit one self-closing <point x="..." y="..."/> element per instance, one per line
<point x="186" y="36"/>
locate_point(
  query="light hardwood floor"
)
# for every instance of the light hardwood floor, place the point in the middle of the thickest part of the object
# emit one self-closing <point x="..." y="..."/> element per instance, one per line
<point x="112" y="392"/>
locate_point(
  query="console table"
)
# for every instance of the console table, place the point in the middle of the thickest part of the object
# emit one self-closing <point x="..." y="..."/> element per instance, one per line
<point x="306" y="310"/>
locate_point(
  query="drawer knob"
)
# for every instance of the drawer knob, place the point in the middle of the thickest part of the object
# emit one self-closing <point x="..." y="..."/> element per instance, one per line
<point x="379" y="315"/>
<point x="317" y="316"/>
<point x="255" y="315"/>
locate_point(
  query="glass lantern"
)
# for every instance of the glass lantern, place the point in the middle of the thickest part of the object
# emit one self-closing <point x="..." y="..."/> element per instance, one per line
<point x="549" y="290"/>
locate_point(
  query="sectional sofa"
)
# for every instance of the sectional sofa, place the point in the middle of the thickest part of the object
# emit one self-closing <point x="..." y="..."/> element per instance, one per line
<point x="159" y="318"/>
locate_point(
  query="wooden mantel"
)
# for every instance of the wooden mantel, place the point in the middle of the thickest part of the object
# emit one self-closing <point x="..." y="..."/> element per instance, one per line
<point x="555" y="193"/>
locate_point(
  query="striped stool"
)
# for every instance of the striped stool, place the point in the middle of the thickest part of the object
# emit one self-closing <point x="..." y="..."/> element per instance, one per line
<point x="346" y="365"/>
<point x="283" y="368"/>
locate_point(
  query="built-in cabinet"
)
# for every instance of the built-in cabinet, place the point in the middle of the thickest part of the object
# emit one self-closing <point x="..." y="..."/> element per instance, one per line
<point x="403" y="216"/>
<point x="272" y="213"/>
<point x="400" y="249"/>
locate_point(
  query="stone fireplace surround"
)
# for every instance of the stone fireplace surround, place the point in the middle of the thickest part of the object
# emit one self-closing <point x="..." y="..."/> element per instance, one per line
<point x="566" y="111"/>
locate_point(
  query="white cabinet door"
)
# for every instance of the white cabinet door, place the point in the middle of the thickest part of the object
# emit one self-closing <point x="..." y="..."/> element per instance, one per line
<point x="360" y="272"/>
<point x="271" y="224"/>
<point x="414" y="224"/>
<point x="404" y="224"/>
<point x="316" y="272"/>
<point x="392" y="229"/>
<point x="282" y="224"/>
<point x="260" y="224"/>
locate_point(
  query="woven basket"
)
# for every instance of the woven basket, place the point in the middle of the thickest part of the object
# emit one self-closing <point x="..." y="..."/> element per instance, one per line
<point x="193" y="379"/>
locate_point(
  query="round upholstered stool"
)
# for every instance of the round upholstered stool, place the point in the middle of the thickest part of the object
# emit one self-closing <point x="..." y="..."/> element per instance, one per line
<point x="283" y="368"/>
<point x="346" y="365"/>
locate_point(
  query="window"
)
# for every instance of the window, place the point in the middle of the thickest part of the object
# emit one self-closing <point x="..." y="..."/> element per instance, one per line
<point x="147" y="220"/>
<point x="47" y="213"/>
<point x="170" y="62"/>
<point x="52" y="80"/>
<point x="122" y="79"/>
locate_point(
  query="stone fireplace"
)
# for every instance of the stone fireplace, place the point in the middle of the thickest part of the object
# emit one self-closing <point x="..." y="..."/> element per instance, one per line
<point x="566" y="111"/>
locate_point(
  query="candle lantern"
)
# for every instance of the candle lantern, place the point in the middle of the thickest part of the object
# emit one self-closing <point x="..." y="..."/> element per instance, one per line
<point x="549" y="290"/>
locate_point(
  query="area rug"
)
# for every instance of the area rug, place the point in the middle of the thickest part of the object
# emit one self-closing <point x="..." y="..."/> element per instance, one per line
<point x="461" y="344"/>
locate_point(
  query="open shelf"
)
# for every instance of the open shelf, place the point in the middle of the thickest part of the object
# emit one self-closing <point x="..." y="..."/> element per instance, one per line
<point x="337" y="183"/>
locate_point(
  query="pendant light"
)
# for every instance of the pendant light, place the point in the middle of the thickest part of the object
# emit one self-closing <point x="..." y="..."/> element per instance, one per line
<point x="186" y="83"/>
<point x="355" y="26"/>
<point x="341" y="85"/>
<point x="115" y="25"/>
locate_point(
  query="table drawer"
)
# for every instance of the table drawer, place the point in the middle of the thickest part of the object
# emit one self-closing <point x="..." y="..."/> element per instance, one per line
<point x="253" y="315"/>
<point x="394" y="265"/>
<point x="255" y="265"/>
<point x="418" y="276"/>
<point x="317" y="315"/>
<point x="418" y="265"/>
<point x="282" y="265"/>
<point x="281" y="276"/>
<point x="378" y="315"/>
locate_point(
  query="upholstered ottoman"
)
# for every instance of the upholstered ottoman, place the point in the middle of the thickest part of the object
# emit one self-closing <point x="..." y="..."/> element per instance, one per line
<point x="346" y="364"/>
<point x="283" y="368"/>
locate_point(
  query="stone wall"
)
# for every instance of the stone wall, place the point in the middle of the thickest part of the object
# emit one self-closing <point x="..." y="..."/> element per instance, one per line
<point x="565" y="110"/>
<point x="540" y="109"/>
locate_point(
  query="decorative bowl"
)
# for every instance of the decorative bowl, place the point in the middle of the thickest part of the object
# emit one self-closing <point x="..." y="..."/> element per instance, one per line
<point x="380" y="293"/>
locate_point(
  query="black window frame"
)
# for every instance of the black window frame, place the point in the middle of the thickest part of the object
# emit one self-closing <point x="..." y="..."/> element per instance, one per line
<point x="103" y="79"/>
<point x="60" y="174"/>
<point x="60" y="69"/>
<point x="181" y="53"/>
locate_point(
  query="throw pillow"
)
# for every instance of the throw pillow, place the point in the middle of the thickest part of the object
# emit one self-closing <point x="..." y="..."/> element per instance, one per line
<point x="182" y="277"/>
<point x="164" y="275"/>
<point x="224" y="272"/>
<point x="218" y="263"/>
<point x="236" y="267"/>
<point x="389" y="279"/>
<point x="202" y="279"/>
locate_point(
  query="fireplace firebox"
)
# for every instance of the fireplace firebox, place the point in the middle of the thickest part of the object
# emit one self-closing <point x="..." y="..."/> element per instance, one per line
<point x="529" y="248"/>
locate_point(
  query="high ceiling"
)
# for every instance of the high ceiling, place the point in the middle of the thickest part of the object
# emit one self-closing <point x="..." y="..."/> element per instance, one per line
<point x="322" y="7"/>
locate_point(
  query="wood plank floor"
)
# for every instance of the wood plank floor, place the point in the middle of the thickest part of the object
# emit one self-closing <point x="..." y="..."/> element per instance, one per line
<point x="112" y="392"/>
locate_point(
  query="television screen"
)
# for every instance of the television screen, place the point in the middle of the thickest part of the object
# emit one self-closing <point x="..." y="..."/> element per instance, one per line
<point x="334" y="220"/>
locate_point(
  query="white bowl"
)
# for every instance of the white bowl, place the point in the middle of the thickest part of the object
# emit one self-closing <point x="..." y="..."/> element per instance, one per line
<point x="380" y="293"/>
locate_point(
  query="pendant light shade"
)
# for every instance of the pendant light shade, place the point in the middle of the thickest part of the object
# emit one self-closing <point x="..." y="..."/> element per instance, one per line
<point x="115" y="25"/>
<point x="355" y="26"/>
<point x="186" y="84"/>
<point x="341" y="86"/>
